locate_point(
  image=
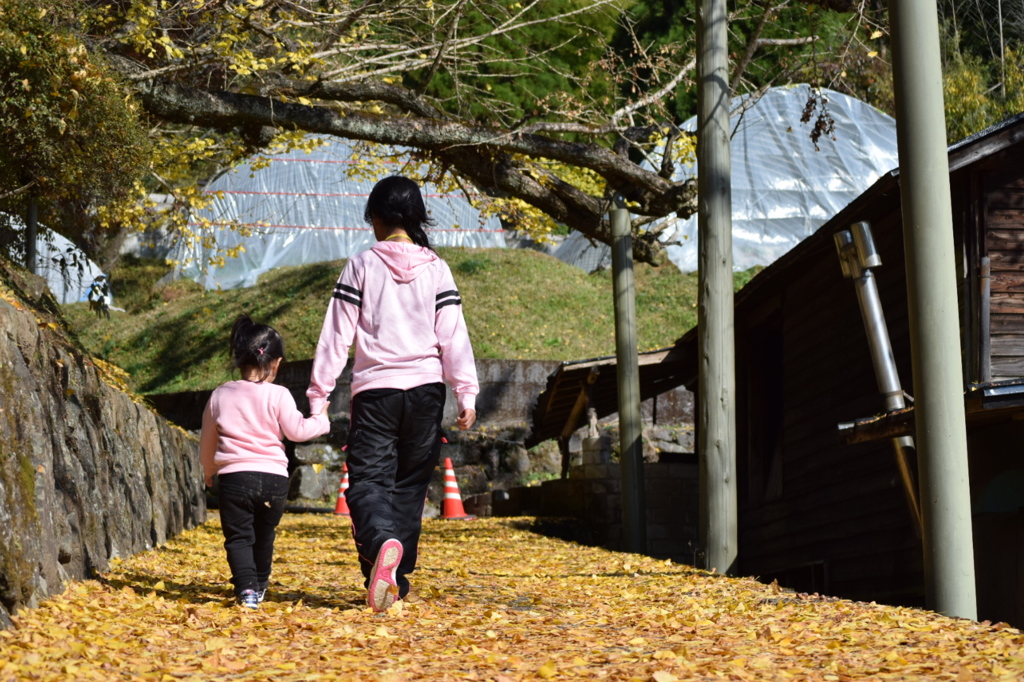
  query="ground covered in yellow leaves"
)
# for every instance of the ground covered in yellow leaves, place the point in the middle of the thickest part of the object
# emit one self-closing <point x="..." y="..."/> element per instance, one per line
<point x="492" y="601"/>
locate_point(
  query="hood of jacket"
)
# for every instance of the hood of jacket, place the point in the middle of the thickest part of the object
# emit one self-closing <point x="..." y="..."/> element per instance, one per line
<point x="405" y="261"/>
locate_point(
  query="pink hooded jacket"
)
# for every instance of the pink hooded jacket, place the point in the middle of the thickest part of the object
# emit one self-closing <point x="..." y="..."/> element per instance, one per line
<point x="243" y="424"/>
<point x="399" y="303"/>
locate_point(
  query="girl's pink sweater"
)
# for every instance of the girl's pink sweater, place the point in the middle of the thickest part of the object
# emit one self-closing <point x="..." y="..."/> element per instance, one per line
<point x="399" y="304"/>
<point x="243" y="424"/>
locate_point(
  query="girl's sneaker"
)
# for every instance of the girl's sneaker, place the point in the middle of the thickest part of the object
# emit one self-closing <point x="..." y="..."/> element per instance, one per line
<point x="249" y="599"/>
<point x="383" y="589"/>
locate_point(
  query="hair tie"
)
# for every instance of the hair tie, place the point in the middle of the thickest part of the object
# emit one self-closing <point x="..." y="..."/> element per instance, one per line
<point x="260" y="351"/>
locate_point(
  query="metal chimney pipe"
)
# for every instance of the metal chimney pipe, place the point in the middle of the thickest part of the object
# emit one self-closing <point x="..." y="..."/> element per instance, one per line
<point x="878" y="341"/>
<point x="857" y="255"/>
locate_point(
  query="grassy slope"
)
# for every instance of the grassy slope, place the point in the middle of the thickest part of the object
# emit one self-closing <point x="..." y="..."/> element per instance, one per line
<point x="518" y="304"/>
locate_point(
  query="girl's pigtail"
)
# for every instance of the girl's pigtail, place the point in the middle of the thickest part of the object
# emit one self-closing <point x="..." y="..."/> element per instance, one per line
<point x="241" y="330"/>
<point x="255" y="345"/>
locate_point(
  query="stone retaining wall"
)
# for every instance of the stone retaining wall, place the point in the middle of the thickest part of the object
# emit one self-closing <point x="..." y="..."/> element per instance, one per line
<point x="592" y="495"/>
<point x="490" y="457"/>
<point x="86" y="473"/>
<point x="508" y="392"/>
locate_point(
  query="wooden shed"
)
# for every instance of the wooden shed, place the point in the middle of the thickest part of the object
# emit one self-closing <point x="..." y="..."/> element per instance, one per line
<point x="822" y="508"/>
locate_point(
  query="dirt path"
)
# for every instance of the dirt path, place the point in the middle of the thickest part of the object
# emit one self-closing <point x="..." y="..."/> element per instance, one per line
<point x="492" y="601"/>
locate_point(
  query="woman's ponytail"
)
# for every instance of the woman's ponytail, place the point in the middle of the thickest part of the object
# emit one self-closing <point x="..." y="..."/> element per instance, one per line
<point x="396" y="201"/>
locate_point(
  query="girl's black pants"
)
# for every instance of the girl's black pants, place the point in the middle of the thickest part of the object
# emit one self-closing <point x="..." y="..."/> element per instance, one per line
<point x="393" y="447"/>
<point x="251" y="504"/>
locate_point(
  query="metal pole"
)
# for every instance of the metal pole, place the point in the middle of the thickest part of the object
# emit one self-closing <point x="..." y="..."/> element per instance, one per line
<point x="716" y="417"/>
<point x="932" y="301"/>
<point x="888" y="381"/>
<point x="857" y="255"/>
<point x="634" y="522"/>
<point x="30" y="235"/>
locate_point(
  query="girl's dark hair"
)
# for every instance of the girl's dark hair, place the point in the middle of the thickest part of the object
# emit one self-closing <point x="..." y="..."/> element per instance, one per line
<point x="396" y="201"/>
<point x="255" y="345"/>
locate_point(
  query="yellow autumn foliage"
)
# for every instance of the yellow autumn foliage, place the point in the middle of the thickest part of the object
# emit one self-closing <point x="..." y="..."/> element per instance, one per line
<point x="491" y="601"/>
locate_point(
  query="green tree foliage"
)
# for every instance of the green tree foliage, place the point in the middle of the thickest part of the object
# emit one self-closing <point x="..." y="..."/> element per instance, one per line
<point x="769" y="45"/>
<point x="68" y="134"/>
<point x="516" y="81"/>
<point x="976" y="96"/>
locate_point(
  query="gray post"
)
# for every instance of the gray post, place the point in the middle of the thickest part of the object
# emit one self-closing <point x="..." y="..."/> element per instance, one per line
<point x="716" y="429"/>
<point x="31" y="230"/>
<point x="931" y="292"/>
<point x="631" y="459"/>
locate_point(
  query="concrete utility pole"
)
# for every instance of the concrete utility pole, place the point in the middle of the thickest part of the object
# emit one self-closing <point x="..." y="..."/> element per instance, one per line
<point x="716" y="411"/>
<point x="934" y="326"/>
<point x="631" y="459"/>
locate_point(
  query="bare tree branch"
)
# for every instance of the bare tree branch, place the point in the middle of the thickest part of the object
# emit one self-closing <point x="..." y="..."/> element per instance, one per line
<point x="659" y="94"/>
<point x="806" y="40"/>
<point x="752" y="44"/>
<point x="16" y="192"/>
<point x="440" y="50"/>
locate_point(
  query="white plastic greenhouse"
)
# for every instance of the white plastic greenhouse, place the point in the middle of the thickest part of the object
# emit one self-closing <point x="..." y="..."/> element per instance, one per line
<point x="303" y="208"/>
<point x="782" y="188"/>
<point x="70" y="283"/>
<point x="68" y="271"/>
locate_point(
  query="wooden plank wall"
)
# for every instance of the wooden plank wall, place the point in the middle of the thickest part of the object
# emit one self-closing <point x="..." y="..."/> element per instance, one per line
<point x="841" y="524"/>
<point x="1004" y="241"/>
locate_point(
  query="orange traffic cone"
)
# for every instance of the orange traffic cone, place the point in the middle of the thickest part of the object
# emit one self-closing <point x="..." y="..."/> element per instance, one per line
<point x="341" y="508"/>
<point x="452" y="500"/>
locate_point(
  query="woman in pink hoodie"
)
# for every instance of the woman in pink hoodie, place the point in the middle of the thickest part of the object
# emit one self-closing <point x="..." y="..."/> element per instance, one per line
<point x="398" y="303"/>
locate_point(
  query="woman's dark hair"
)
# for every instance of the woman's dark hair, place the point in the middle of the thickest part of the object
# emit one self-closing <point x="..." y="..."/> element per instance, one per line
<point x="255" y="345"/>
<point x="396" y="201"/>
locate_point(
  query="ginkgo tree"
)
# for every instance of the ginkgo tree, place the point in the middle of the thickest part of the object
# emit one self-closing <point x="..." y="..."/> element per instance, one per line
<point x="522" y="99"/>
<point x="69" y="138"/>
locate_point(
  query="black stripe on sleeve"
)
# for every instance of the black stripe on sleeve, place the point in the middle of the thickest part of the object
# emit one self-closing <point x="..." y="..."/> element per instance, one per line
<point x="348" y="299"/>
<point x="450" y="301"/>
<point x="351" y="290"/>
<point x="446" y="294"/>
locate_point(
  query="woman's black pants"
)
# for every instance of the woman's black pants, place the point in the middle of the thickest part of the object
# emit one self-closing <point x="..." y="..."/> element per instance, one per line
<point x="251" y="505"/>
<point x="393" y="448"/>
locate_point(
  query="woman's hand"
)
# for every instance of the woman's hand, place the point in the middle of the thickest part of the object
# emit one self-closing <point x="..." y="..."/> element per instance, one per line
<point x="466" y="419"/>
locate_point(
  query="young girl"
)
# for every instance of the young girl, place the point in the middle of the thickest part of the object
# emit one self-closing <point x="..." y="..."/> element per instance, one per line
<point x="243" y="425"/>
<point x="399" y="304"/>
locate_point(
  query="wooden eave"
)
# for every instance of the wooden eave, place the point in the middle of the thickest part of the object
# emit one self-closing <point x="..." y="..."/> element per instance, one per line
<point x="984" y="404"/>
<point x="574" y="386"/>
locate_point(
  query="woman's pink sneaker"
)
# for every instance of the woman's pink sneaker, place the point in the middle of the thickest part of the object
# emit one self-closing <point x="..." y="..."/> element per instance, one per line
<point x="383" y="589"/>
